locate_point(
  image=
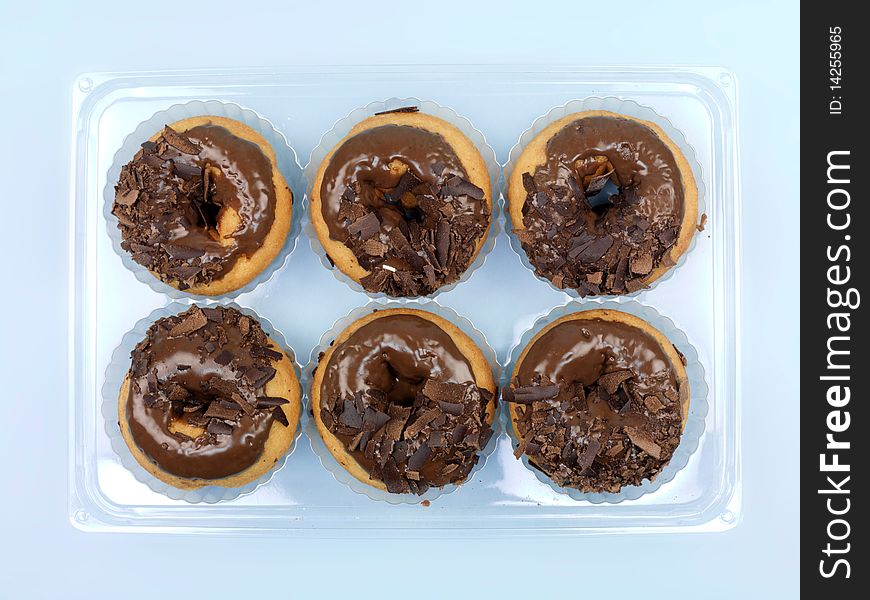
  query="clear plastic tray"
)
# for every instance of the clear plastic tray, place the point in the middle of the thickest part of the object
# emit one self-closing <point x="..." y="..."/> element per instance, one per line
<point x="502" y="299"/>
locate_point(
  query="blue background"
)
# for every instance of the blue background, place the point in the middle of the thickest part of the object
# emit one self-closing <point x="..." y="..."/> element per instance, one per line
<point x="43" y="48"/>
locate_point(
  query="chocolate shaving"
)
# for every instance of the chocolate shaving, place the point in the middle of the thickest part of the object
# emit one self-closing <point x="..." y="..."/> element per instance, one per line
<point x="642" y="265"/>
<point x="407" y="182"/>
<point x="218" y="427"/>
<point x="182" y="437"/>
<point x="374" y="247"/>
<point x="350" y="416"/>
<point x="639" y="439"/>
<point x="404" y="109"/>
<point x="219" y="412"/>
<point x="419" y="458"/>
<point x="175" y="392"/>
<point x="127" y="198"/>
<point x="611" y="381"/>
<point x="182" y="252"/>
<point x="279" y="415"/>
<point x="224" y="358"/>
<point x="259" y="377"/>
<point x="374" y="419"/>
<point x="194" y="321"/>
<point x="246" y="406"/>
<point x="530" y="394"/>
<point x="365" y="227"/>
<point x="399" y="416"/>
<point x="452" y="408"/>
<point x="443" y="390"/>
<point x="186" y="170"/>
<point x="595" y="249"/>
<point x="178" y="141"/>
<point x="442" y="242"/>
<point x="668" y="236"/>
<point x="270" y="401"/>
<point x="421" y="422"/>
<point x="267" y="352"/>
<point x="529" y="183"/>
<point x="653" y="403"/>
<point x="456" y="186"/>
<point x="588" y="455"/>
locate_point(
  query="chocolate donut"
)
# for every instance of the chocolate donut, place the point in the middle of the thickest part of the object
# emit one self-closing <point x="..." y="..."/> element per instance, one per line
<point x="404" y="401"/>
<point x="402" y="204"/>
<point x="209" y="399"/>
<point x="602" y="203"/>
<point x="598" y="400"/>
<point x="203" y="205"/>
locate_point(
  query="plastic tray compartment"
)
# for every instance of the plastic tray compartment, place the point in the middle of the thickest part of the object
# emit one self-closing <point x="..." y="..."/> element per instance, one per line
<point x="502" y="299"/>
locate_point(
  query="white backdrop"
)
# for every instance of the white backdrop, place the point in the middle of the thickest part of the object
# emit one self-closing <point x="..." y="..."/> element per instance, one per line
<point x="43" y="48"/>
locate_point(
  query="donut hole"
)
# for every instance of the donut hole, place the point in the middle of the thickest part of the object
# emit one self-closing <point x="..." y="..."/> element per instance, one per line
<point x="179" y="424"/>
<point x="411" y="211"/>
<point x="207" y="216"/>
<point x="208" y="212"/>
<point x="193" y="406"/>
<point x="604" y="198"/>
<point x="405" y="206"/>
<point x="220" y="220"/>
<point x="401" y="388"/>
<point x="601" y="184"/>
<point x="392" y="212"/>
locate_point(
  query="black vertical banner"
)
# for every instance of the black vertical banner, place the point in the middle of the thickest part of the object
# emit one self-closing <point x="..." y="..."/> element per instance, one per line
<point x="835" y="235"/>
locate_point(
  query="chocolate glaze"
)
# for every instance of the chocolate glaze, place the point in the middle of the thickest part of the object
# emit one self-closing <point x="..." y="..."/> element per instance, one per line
<point x="367" y="174"/>
<point x="615" y="388"/>
<point x="395" y="354"/>
<point x="581" y="350"/>
<point x="398" y="384"/>
<point x="604" y="208"/>
<point x="171" y="196"/>
<point x="179" y="377"/>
